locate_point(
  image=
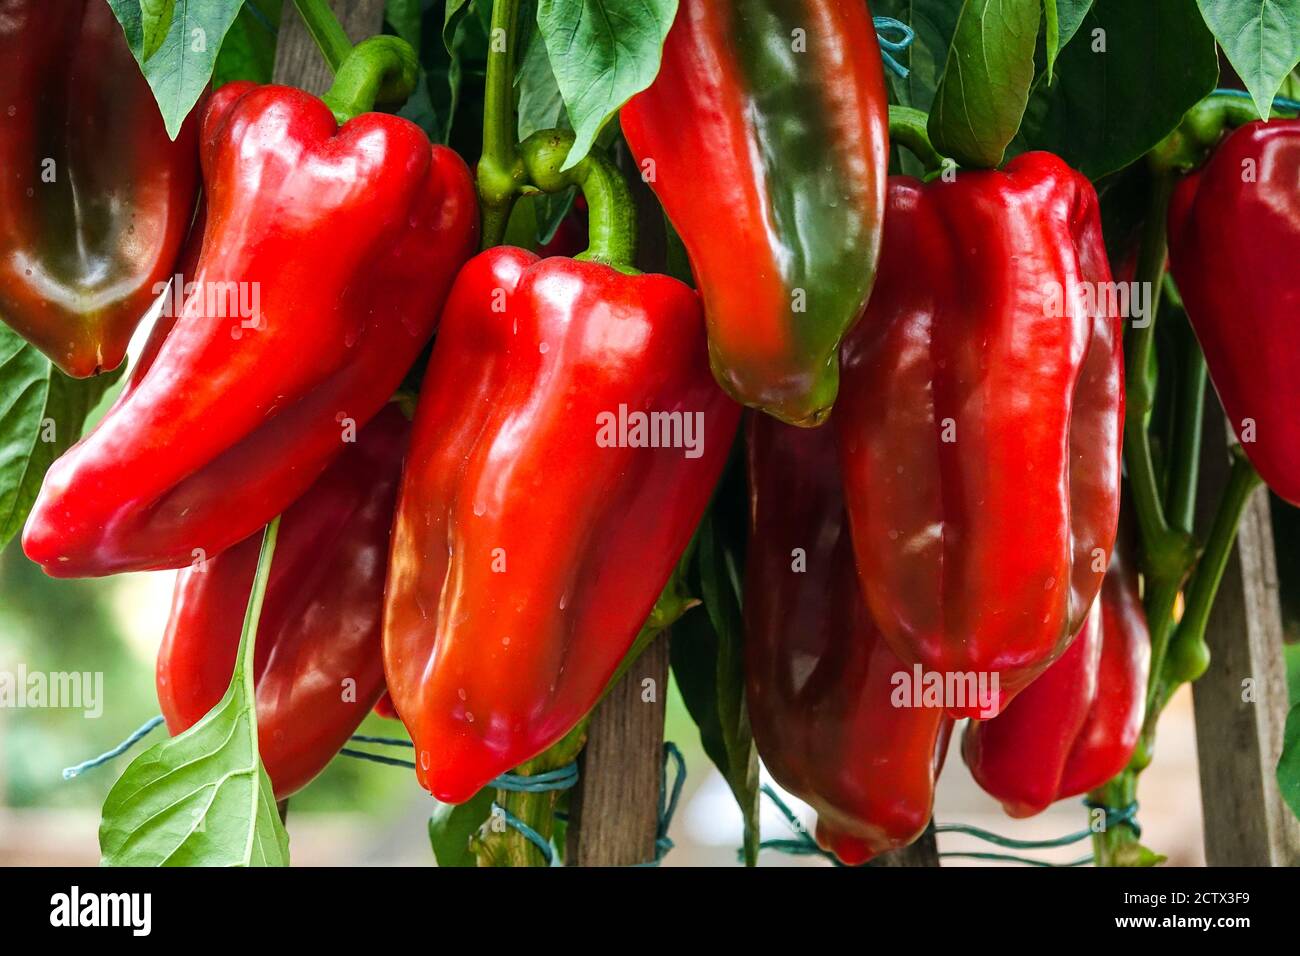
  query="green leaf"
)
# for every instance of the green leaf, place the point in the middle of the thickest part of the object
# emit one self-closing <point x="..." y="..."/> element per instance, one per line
<point x="708" y="651"/>
<point x="155" y="19"/>
<point x="1063" y="20"/>
<point x="203" y="798"/>
<point x="248" y="51"/>
<point x="986" y="80"/>
<point x="540" y="104"/>
<point x="1288" y="765"/>
<point x="42" y="412"/>
<point x="404" y="17"/>
<point x="182" y="63"/>
<point x="1089" y="116"/>
<point x="1261" y="39"/>
<point x="454" y="14"/>
<point x="1053" y="34"/>
<point x="452" y="825"/>
<point x="603" y="52"/>
<point x="933" y="22"/>
<point x="1070" y="14"/>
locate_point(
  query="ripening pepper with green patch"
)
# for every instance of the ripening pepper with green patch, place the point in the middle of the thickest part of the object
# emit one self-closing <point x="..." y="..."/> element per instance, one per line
<point x="766" y="138"/>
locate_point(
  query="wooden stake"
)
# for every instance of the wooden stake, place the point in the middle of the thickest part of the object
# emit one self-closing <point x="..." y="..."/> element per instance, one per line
<point x="1241" y="702"/>
<point x="614" y="813"/>
<point x="299" y="63"/>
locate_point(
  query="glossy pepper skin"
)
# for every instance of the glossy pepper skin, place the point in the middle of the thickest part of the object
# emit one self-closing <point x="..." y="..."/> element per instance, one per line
<point x="769" y="150"/>
<point x="342" y="243"/>
<point x="980" y="423"/>
<point x="526" y="554"/>
<point x="95" y="199"/>
<point x="1077" y="725"/>
<point x="819" y="676"/>
<point x="1233" y="247"/>
<point x="318" y="663"/>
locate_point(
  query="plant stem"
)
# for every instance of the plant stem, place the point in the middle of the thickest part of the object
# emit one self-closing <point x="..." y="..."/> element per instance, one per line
<point x="379" y="69"/>
<point x="1188" y="654"/>
<point x="611" y="211"/>
<point x="908" y="128"/>
<point x="1185" y="453"/>
<point x="500" y="170"/>
<point x="326" y="30"/>
<point x="504" y="845"/>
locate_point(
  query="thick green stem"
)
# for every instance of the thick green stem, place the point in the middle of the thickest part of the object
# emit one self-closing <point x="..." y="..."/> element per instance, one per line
<point x="1188" y="654"/>
<point x="500" y="845"/>
<point x="1203" y="126"/>
<point x="326" y="30"/>
<point x="611" y="211"/>
<point x="1189" y="417"/>
<point x="908" y="128"/>
<point x="380" y="69"/>
<point x="1116" y="845"/>
<point x="500" y="171"/>
<point x="1168" y="552"/>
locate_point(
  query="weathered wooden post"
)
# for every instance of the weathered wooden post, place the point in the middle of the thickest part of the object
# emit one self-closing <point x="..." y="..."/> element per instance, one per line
<point x="1241" y="701"/>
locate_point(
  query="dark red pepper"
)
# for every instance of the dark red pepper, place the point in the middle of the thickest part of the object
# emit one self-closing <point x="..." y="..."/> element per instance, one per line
<point x="1077" y="725"/>
<point x="980" y="421"/>
<point x="318" y="663"/>
<point x="95" y="199"/>
<point x="820" y="679"/>
<point x="1234" y="238"/>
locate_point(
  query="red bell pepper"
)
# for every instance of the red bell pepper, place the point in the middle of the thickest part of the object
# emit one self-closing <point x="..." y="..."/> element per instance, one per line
<point x="1233" y="244"/>
<point x="819" y="676"/>
<point x="1077" y="725"/>
<point x="567" y="441"/>
<point x="980" y="421"/>
<point x="318" y="663"/>
<point x="765" y="136"/>
<point x="95" y="199"/>
<point x="337" y="246"/>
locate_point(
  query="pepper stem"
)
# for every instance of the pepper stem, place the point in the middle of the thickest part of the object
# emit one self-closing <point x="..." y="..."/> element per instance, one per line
<point x="909" y="127"/>
<point x="500" y="173"/>
<point x="326" y="30"/>
<point x="611" y="210"/>
<point x="1202" y="127"/>
<point x="381" y="69"/>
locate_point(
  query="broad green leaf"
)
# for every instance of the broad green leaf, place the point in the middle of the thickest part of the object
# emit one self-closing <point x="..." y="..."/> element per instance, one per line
<point x="1288" y="765"/>
<point x="602" y="52"/>
<point x="248" y="51"/>
<point x="1070" y="14"/>
<point x="452" y="825"/>
<point x="540" y="104"/>
<point x="155" y="20"/>
<point x="203" y="798"/>
<point x="986" y="80"/>
<point x="42" y="413"/>
<point x="1063" y="20"/>
<point x="183" y="62"/>
<point x="454" y="13"/>
<point x="1261" y="39"/>
<point x="404" y="17"/>
<point x="1089" y="115"/>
